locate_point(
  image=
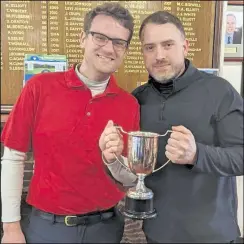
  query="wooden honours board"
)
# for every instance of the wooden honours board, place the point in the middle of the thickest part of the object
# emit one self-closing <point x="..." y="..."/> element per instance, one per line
<point x="53" y="27"/>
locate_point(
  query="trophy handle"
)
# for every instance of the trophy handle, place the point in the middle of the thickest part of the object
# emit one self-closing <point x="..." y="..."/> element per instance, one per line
<point x="161" y="166"/>
<point x="121" y="129"/>
<point x="122" y="163"/>
<point x="168" y="131"/>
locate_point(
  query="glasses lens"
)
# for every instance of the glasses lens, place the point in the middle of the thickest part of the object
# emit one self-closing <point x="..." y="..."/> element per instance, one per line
<point x="119" y="44"/>
<point x="100" y="39"/>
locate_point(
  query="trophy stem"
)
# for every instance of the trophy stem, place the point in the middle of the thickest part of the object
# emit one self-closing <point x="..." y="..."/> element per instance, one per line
<point x="139" y="201"/>
<point x="140" y="187"/>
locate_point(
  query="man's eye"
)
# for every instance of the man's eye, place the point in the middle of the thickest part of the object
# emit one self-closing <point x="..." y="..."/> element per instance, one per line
<point x="149" y="48"/>
<point x="118" y="43"/>
<point x="101" y="38"/>
<point x="169" y="45"/>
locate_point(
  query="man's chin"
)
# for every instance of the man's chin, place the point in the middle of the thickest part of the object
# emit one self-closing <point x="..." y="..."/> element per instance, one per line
<point x="163" y="79"/>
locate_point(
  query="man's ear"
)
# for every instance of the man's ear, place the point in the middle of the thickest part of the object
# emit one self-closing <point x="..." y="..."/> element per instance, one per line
<point x="82" y="39"/>
<point x="186" y="47"/>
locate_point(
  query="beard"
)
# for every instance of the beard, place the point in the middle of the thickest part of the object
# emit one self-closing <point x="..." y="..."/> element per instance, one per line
<point x="171" y="73"/>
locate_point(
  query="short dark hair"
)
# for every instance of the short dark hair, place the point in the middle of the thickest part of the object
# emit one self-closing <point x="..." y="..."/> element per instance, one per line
<point x="162" y="17"/>
<point x="114" y="10"/>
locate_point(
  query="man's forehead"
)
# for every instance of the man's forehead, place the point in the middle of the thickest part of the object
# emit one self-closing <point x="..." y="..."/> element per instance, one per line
<point x="109" y="26"/>
<point x="160" y="32"/>
<point x="231" y="17"/>
<point x="106" y="21"/>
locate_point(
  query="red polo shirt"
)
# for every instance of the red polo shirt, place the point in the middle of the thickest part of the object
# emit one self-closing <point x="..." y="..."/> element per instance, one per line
<point x="57" y="115"/>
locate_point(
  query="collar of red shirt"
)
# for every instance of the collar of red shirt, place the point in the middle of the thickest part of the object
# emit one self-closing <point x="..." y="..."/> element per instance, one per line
<point x="73" y="81"/>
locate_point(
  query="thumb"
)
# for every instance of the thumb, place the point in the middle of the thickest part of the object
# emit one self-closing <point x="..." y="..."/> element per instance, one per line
<point x="110" y="124"/>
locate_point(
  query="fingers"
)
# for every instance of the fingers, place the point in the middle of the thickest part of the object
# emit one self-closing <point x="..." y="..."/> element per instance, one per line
<point x="171" y="156"/>
<point x="178" y="144"/>
<point x="177" y="135"/>
<point x="112" y="152"/>
<point x="173" y="142"/>
<point x="179" y="139"/>
<point x="116" y="143"/>
<point x="175" y="154"/>
<point x="171" y="149"/>
<point x="109" y="124"/>
<point x="111" y="141"/>
<point x="181" y="146"/>
<point x="112" y="137"/>
<point x="110" y="130"/>
<point x="181" y="128"/>
<point x="114" y="149"/>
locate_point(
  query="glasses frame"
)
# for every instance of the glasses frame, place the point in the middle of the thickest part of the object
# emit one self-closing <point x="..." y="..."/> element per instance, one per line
<point x="108" y="39"/>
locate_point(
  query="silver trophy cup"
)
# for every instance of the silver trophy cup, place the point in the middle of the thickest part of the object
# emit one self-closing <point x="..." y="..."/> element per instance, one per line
<point x="142" y="158"/>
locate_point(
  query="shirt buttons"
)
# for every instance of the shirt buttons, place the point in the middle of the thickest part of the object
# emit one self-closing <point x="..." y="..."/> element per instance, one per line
<point x="88" y="114"/>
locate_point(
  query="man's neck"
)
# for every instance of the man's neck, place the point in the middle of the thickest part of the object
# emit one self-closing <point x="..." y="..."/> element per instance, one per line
<point x="90" y="74"/>
<point x="96" y="87"/>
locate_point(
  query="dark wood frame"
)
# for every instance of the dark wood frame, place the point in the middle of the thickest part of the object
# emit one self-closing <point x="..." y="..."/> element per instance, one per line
<point x="219" y="5"/>
<point x="235" y="2"/>
<point x="234" y="59"/>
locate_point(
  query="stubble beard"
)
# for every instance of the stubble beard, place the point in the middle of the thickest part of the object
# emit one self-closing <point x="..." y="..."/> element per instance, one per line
<point x="164" y="78"/>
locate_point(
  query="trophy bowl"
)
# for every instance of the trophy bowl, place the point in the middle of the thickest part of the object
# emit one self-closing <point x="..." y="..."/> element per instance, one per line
<point x="142" y="152"/>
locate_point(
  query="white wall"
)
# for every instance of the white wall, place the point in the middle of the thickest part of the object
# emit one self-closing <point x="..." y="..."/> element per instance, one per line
<point x="232" y="71"/>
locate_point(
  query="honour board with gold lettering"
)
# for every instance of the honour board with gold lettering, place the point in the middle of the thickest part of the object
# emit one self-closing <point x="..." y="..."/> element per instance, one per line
<point x="53" y="27"/>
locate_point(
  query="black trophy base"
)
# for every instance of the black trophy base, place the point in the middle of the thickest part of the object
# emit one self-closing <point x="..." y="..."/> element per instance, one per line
<point x="139" y="209"/>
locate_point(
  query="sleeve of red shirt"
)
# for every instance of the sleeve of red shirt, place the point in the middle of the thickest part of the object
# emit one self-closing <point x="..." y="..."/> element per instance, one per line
<point x="17" y="131"/>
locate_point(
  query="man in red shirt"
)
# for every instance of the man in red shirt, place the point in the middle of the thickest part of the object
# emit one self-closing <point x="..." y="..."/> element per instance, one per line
<point x="62" y="115"/>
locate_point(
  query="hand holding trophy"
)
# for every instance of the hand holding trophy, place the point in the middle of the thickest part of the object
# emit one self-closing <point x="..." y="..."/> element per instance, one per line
<point x="142" y="158"/>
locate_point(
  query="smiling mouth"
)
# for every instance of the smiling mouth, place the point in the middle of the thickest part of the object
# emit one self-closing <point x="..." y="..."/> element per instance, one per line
<point x="105" y="58"/>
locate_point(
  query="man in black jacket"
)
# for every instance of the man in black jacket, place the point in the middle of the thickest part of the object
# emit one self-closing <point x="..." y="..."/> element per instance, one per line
<point x="195" y="195"/>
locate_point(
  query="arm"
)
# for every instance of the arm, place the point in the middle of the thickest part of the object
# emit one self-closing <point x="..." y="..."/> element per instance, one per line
<point x="16" y="134"/>
<point x="120" y="173"/>
<point x="11" y="190"/>
<point x="110" y="135"/>
<point x="227" y="158"/>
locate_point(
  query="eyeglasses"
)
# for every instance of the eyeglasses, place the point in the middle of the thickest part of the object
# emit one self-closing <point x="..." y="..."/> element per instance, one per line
<point x="102" y="40"/>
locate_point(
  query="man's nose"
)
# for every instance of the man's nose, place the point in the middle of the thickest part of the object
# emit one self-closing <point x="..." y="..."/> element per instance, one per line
<point x="109" y="47"/>
<point x="160" y="53"/>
